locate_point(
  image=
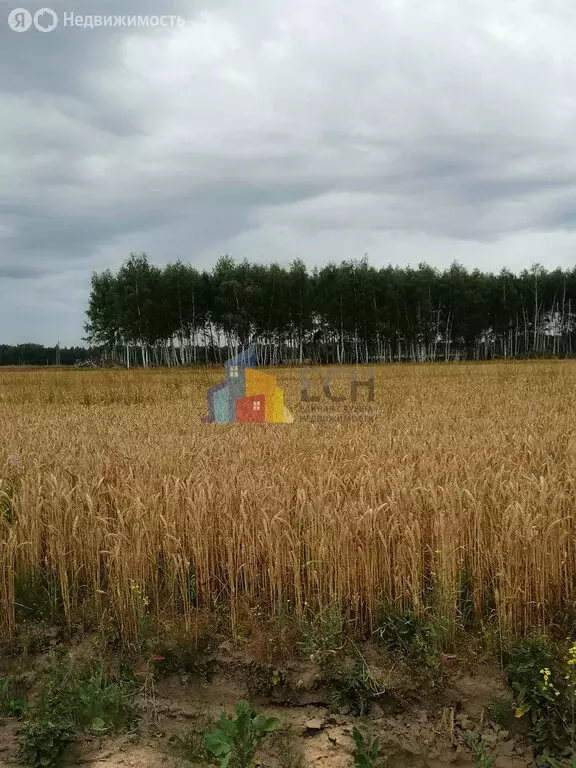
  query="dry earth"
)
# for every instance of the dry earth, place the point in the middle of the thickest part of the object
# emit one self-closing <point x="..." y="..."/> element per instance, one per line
<point x="422" y="734"/>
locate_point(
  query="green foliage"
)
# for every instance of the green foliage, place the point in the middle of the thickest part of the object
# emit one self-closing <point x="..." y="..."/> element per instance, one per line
<point x="323" y="635"/>
<point x="353" y="687"/>
<point x="73" y="698"/>
<point x="352" y="311"/>
<point x="323" y="640"/>
<point x="144" y="626"/>
<point x="8" y="491"/>
<point x="465" y="600"/>
<point x="499" y="711"/>
<point x="483" y="758"/>
<point x="366" y="750"/>
<point x="87" y="698"/>
<point x="235" y="741"/>
<point x="43" y="741"/>
<point x="11" y="704"/>
<point x="554" y="763"/>
<point x="38" y="599"/>
<point x="406" y="632"/>
<point x="544" y="684"/>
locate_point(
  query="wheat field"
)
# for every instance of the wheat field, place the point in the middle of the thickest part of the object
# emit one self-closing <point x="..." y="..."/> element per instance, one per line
<point x="118" y="498"/>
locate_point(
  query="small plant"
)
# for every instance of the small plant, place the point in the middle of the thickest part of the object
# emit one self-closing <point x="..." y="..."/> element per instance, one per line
<point x="143" y="628"/>
<point x="287" y="753"/>
<point x="11" y="705"/>
<point x="73" y="698"/>
<point x="104" y="704"/>
<point x="190" y="746"/>
<point x="420" y="638"/>
<point x="366" y="750"/>
<point x="88" y="698"/>
<point x="354" y="688"/>
<point x="553" y="763"/>
<point x="84" y="699"/>
<point x="8" y="492"/>
<point x="483" y="758"/>
<point x="235" y="741"/>
<point x="43" y="741"/>
<point x="323" y="636"/>
<point x="499" y="711"/>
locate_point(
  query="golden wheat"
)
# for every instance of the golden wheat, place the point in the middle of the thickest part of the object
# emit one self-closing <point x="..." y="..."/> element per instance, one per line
<point x="126" y="502"/>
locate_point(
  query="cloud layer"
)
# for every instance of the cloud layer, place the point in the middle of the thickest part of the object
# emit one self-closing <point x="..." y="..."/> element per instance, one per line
<point x="316" y="129"/>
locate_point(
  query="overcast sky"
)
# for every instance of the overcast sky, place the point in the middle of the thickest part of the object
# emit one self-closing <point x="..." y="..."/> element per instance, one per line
<point x="411" y="130"/>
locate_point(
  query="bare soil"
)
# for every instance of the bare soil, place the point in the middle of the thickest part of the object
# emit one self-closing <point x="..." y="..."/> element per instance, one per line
<point x="418" y="727"/>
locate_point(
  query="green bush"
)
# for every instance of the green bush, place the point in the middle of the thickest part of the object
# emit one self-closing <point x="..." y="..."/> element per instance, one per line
<point x="352" y="687"/>
<point x="73" y="698"/>
<point x="544" y="683"/>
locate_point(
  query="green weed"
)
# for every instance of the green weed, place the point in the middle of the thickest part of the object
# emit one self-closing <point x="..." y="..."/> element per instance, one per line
<point x="544" y="683"/>
<point x="235" y="741"/>
<point x="366" y="750"/>
<point x="406" y="632"/>
<point x="43" y="741"/>
<point x="481" y="754"/>
<point x="190" y="746"/>
<point x="11" y="703"/>
<point x="323" y="635"/>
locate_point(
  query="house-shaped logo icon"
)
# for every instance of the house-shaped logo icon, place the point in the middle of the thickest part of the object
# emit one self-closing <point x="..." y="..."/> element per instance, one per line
<point x="247" y="396"/>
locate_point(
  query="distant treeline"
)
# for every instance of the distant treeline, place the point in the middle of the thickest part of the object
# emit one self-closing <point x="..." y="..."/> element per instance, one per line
<point x="352" y="312"/>
<point x="36" y="354"/>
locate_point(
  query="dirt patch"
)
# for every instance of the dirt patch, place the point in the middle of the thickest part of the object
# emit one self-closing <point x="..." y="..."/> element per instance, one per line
<point x="418" y="734"/>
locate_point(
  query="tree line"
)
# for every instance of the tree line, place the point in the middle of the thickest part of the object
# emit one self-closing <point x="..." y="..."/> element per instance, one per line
<point x="347" y="313"/>
<point x="38" y="354"/>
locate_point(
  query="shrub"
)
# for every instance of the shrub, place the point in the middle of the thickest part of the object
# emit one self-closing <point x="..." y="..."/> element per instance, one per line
<point x="544" y="681"/>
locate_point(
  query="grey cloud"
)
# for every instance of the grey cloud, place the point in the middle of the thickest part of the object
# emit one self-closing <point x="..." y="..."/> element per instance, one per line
<point x="23" y="272"/>
<point x="274" y="130"/>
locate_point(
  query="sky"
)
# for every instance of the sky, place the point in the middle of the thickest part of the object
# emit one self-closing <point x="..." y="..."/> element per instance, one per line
<point x="408" y="130"/>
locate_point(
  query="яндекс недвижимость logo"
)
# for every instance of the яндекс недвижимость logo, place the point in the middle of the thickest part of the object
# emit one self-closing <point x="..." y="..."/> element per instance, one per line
<point x="247" y="396"/>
